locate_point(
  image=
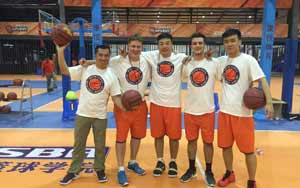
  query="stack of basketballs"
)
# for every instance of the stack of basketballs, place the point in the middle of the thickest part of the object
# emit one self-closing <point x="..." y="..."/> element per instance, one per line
<point x="9" y="96"/>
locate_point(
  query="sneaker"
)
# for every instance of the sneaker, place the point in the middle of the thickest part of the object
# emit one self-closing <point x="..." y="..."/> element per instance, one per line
<point x="101" y="176"/>
<point x="251" y="184"/>
<point x="159" y="169"/>
<point x="122" y="178"/>
<point x="172" y="173"/>
<point x="210" y="179"/>
<point x="227" y="179"/>
<point x="136" y="168"/>
<point x="188" y="175"/>
<point x="69" y="178"/>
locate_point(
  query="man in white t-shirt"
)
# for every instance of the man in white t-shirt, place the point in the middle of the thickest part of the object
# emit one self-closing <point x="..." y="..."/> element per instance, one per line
<point x="98" y="82"/>
<point x="165" y="98"/>
<point x="199" y="112"/>
<point x="238" y="72"/>
<point x="133" y="74"/>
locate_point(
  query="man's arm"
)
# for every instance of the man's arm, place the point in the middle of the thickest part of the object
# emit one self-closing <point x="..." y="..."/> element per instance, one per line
<point x="117" y="100"/>
<point x="269" y="106"/>
<point x="61" y="61"/>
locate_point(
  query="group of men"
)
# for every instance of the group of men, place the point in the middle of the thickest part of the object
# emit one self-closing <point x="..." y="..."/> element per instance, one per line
<point x="165" y="69"/>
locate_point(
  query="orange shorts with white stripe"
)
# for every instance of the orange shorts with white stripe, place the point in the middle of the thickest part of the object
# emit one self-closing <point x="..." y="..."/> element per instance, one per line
<point x="240" y="129"/>
<point x="135" y="121"/>
<point x="165" y="121"/>
<point x="205" y="122"/>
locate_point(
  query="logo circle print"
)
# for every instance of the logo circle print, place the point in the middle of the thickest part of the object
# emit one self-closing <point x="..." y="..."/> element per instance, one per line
<point x="231" y="74"/>
<point x="199" y="77"/>
<point x="95" y="84"/>
<point x="134" y="75"/>
<point x="165" y="68"/>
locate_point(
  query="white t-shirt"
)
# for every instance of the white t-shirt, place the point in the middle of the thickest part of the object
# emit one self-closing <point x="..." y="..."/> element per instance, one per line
<point x="200" y="86"/>
<point x="237" y="75"/>
<point x="96" y="87"/>
<point x="166" y="78"/>
<point x="131" y="75"/>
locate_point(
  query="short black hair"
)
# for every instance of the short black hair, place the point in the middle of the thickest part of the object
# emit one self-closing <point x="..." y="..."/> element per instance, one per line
<point x="198" y="35"/>
<point x="232" y="31"/>
<point x="102" y="46"/>
<point x="164" y="36"/>
<point x="135" y="37"/>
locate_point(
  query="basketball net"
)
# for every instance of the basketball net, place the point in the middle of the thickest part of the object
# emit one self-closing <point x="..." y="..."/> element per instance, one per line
<point x="46" y="22"/>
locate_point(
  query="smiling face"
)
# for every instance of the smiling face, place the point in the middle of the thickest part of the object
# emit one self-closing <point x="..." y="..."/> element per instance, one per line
<point x="198" y="45"/>
<point x="134" y="49"/>
<point x="102" y="58"/>
<point x="232" y="45"/>
<point x="165" y="46"/>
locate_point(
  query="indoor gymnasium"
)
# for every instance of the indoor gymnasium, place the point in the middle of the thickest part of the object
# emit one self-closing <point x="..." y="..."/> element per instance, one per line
<point x="149" y="93"/>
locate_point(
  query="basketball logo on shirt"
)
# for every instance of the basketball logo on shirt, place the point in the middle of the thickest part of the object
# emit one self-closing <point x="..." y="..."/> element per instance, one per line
<point x="231" y="74"/>
<point x="95" y="84"/>
<point x="165" y="68"/>
<point x="199" y="77"/>
<point x="134" y="75"/>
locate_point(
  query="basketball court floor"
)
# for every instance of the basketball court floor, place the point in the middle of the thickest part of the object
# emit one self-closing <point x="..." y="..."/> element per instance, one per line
<point x="35" y="153"/>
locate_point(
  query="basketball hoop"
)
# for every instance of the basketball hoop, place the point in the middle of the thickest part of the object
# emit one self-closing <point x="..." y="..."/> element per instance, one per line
<point x="46" y="23"/>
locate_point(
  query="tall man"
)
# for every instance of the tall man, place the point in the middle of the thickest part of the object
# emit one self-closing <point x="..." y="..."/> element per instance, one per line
<point x="165" y="98"/>
<point x="199" y="112"/>
<point x="238" y="71"/>
<point x="98" y="82"/>
<point x="133" y="74"/>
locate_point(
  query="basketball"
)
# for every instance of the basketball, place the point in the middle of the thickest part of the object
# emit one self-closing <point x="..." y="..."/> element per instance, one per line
<point x="61" y="34"/>
<point x="5" y="109"/>
<point x="11" y="96"/>
<point x="2" y="96"/>
<point x="254" y="98"/>
<point x="131" y="99"/>
<point x="17" y="82"/>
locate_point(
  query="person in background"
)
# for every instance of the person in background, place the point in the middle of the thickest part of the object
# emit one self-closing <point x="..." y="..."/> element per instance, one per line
<point x="48" y="70"/>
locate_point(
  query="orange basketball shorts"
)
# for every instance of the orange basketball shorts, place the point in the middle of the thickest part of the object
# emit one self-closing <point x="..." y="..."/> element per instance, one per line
<point x="165" y="121"/>
<point x="135" y="121"/>
<point x="240" y="129"/>
<point x="205" y="122"/>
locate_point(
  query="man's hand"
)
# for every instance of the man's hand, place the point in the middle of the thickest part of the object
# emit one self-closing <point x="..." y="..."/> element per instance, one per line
<point x="186" y="60"/>
<point x="208" y="54"/>
<point x="269" y="110"/>
<point x="122" y="52"/>
<point x="83" y="62"/>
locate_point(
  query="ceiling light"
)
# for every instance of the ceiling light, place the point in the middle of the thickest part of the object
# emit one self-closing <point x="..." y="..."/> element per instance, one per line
<point x="249" y="16"/>
<point x="203" y="16"/>
<point x="237" y="22"/>
<point x="158" y="16"/>
<point x="197" y="21"/>
<point x="157" y="21"/>
<point x="211" y="13"/>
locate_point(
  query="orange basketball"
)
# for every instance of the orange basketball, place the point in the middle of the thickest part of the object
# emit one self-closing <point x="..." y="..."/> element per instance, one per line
<point x="5" y="109"/>
<point x="11" y="96"/>
<point x="254" y="98"/>
<point x="17" y="82"/>
<point x="131" y="99"/>
<point x="61" y="34"/>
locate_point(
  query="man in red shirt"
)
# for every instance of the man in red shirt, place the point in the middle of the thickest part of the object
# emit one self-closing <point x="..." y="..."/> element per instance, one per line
<point x="48" y="70"/>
